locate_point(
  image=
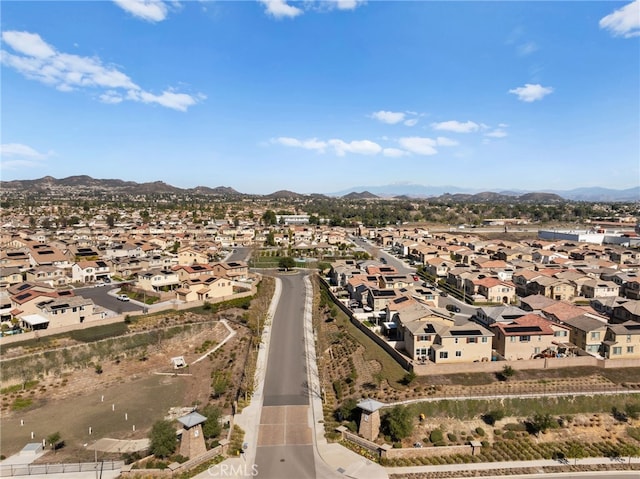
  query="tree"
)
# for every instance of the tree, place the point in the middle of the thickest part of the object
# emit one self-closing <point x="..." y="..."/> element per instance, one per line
<point x="211" y="427"/>
<point x="576" y="451"/>
<point x="507" y="372"/>
<point x="493" y="416"/>
<point x="269" y="218"/>
<point x="287" y="263"/>
<point x="541" y="422"/>
<point x="629" y="450"/>
<point x="53" y="440"/>
<point x="347" y="409"/>
<point x="162" y="439"/>
<point x="398" y="423"/>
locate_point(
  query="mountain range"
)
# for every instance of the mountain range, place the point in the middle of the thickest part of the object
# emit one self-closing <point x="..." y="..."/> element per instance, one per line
<point x="399" y="191"/>
<point x="590" y="194"/>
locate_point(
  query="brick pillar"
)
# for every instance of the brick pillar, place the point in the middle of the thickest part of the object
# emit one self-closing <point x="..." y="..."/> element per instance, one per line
<point x="192" y="444"/>
<point x="369" y="425"/>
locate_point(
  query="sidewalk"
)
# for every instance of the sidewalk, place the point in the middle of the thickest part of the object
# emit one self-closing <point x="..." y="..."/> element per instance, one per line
<point x="340" y="460"/>
<point x="537" y="464"/>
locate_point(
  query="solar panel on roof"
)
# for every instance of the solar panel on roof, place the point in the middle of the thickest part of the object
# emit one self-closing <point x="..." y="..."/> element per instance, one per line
<point x="523" y="329"/>
<point x="23" y="296"/>
<point x="633" y="327"/>
<point x="23" y="286"/>
<point x="466" y="332"/>
<point x="429" y="329"/>
<point x="401" y="300"/>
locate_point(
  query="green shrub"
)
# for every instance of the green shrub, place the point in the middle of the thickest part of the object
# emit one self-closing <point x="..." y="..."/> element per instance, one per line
<point x="452" y="437"/>
<point x="436" y="436"/>
<point x="480" y="431"/>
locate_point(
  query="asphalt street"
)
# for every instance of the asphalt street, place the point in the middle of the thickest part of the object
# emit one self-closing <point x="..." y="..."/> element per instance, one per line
<point x="285" y="448"/>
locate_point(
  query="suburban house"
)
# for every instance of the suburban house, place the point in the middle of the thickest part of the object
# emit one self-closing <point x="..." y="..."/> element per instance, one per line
<point x="44" y="254"/>
<point x="190" y="256"/>
<point x="90" y="271"/>
<point x="496" y="291"/>
<point x="204" y="288"/>
<point x="234" y="270"/>
<point x="442" y="341"/>
<point x="487" y="315"/>
<point x="558" y="289"/>
<point x="599" y="289"/>
<point x="58" y="312"/>
<point x="9" y="276"/>
<point x="51" y="275"/>
<point x="193" y="271"/>
<point x="158" y="280"/>
<point x="627" y="311"/>
<point x="587" y="332"/>
<point x="622" y="341"/>
<point x="528" y="337"/>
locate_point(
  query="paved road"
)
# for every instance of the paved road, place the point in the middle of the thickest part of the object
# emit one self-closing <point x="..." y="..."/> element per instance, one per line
<point x="101" y="297"/>
<point x="285" y="441"/>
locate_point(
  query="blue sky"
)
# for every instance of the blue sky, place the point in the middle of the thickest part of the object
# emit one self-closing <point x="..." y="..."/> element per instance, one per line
<point x="317" y="97"/>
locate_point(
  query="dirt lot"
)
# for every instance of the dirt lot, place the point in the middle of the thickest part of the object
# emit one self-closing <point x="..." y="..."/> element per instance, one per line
<point x="72" y="402"/>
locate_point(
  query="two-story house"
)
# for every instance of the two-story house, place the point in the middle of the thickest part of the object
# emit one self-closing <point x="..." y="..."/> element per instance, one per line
<point x="622" y="341"/>
<point x="204" y="288"/>
<point x="527" y="337"/>
<point x="90" y="271"/>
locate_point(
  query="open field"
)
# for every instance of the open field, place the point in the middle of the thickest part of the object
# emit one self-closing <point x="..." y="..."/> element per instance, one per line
<point x="144" y="400"/>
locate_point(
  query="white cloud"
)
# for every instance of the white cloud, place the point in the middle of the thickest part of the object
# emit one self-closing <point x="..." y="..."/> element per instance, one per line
<point x="29" y="44"/>
<point x="150" y="10"/>
<point x="394" y="152"/>
<point x="529" y="93"/>
<point x="497" y="133"/>
<point x="16" y="155"/>
<point x="281" y="9"/>
<point x="360" y="147"/>
<point x="390" y="117"/>
<point x="347" y="4"/>
<point x="340" y="147"/>
<point x="13" y="150"/>
<point x="527" y="48"/>
<point x="419" y="145"/>
<point x="456" y="126"/>
<point x="624" y="22"/>
<point x="66" y="72"/>
<point x="411" y="122"/>
<point x="311" y="144"/>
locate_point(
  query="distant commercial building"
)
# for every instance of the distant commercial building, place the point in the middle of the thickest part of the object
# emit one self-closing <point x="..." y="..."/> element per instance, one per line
<point x="596" y="236"/>
<point x="292" y="219"/>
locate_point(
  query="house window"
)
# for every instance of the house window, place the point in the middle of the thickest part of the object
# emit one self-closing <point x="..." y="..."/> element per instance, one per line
<point x="617" y="350"/>
<point x="595" y="335"/>
<point x="512" y="339"/>
<point x="628" y="338"/>
<point x="536" y="350"/>
<point x="629" y="349"/>
<point x="560" y="333"/>
<point x="472" y="340"/>
<point x="525" y="339"/>
<point x="458" y="354"/>
<point x="484" y="339"/>
<point x="444" y="354"/>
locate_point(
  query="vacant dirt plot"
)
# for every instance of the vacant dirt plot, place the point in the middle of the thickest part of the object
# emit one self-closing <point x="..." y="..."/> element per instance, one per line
<point x="72" y="402"/>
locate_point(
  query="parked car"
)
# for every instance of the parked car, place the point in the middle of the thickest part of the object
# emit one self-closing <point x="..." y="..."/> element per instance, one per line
<point x="452" y="307"/>
<point x="123" y="297"/>
<point x="416" y="278"/>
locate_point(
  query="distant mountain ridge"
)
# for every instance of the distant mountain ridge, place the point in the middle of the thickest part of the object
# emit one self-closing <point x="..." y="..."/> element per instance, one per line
<point x="591" y="194"/>
<point x="397" y="191"/>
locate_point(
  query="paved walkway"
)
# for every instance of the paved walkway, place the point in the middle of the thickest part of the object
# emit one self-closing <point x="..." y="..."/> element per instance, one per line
<point x="538" y="464"/>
